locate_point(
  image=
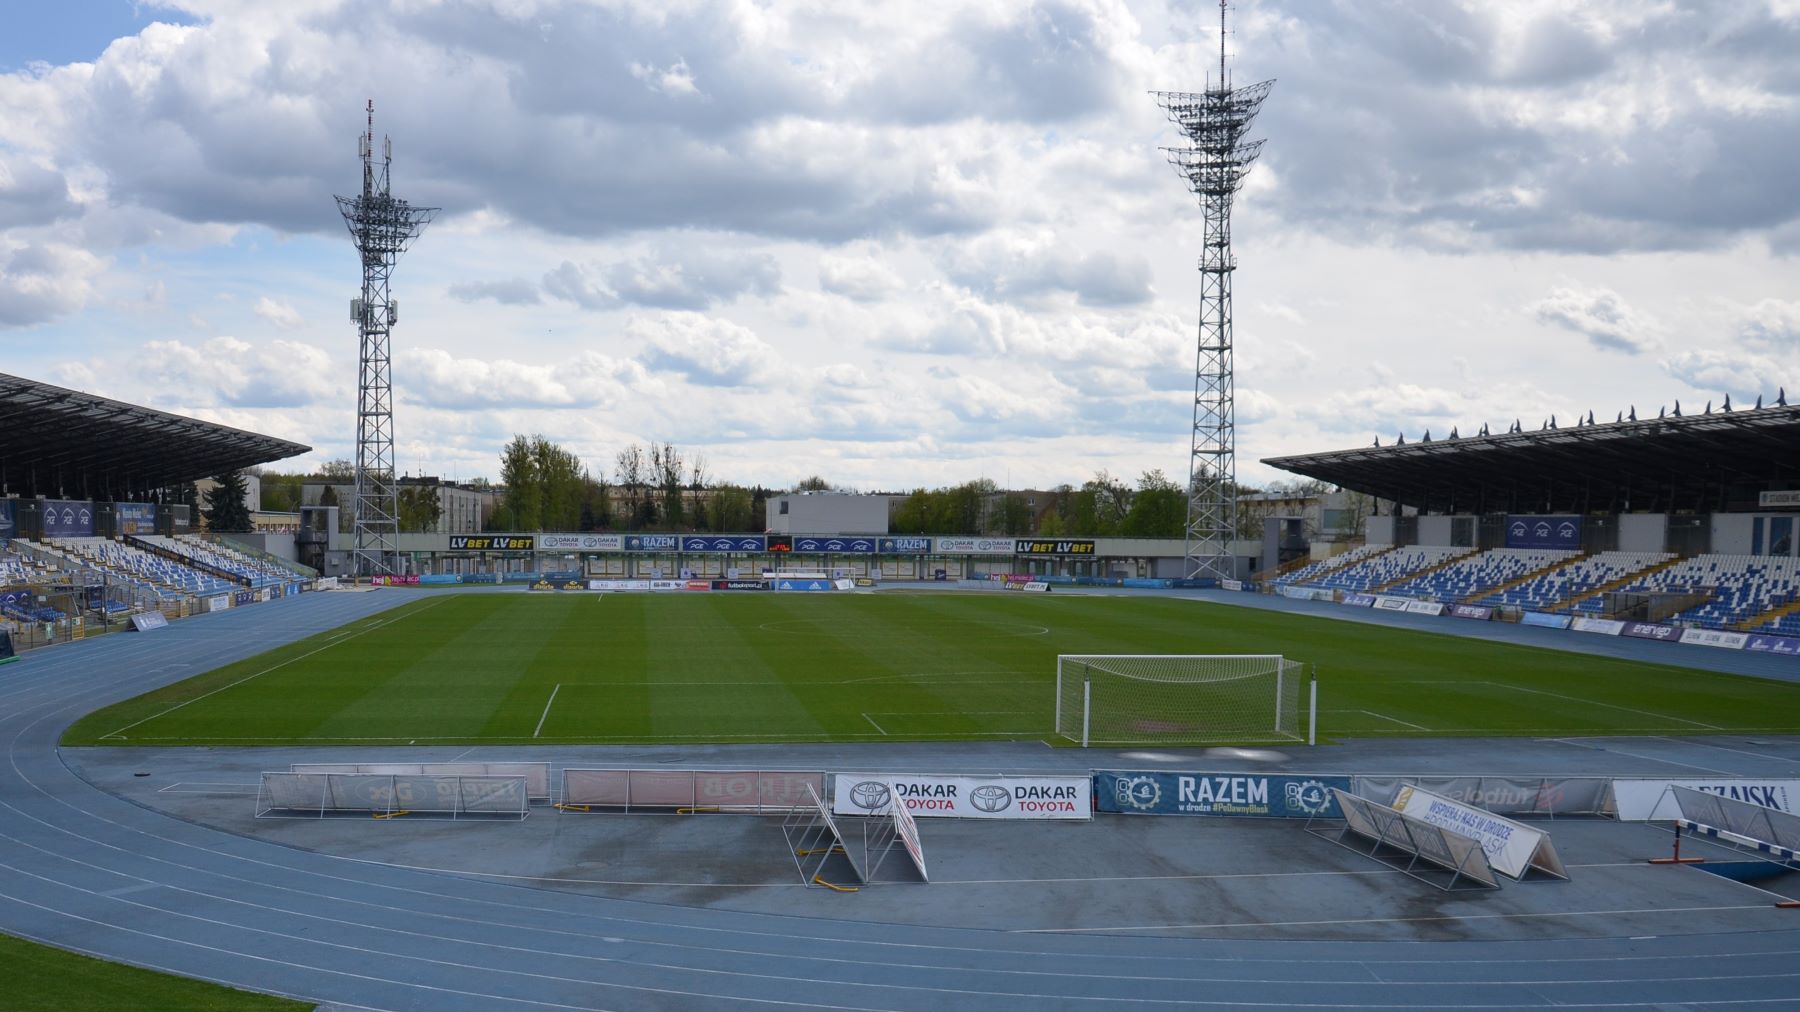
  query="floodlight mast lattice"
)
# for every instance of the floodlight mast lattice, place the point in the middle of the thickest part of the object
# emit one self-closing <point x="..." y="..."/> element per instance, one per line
<point x="1215" y="122"/>
<point x="382" y="226"/>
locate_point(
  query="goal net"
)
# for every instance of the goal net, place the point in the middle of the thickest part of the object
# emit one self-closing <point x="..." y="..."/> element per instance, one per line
<point x="1138" y="699"/>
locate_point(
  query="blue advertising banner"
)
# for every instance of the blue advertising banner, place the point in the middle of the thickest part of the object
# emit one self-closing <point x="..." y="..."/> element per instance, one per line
<point x="805" y="586"/>
<point x="7" y="521"/>
<point x="1773" y="644"/>
<point x="862" y="546"/>
<point x="905" y="546"/>
<point x="1359" y="600"/>
<point x="652" y="543"/>
<point x="1242" y="795"/>
<point x="724" y="543"/>
<point x="1561" y="532"/>
<point x="135" y="517"/>
<point x="1544" y="620"/>
<point x="68" y="518"/>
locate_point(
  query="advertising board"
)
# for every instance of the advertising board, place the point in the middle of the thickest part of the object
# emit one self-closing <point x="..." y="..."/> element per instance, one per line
<point x="579" y="542"/>
<point x="652" y="542"/>
<point x="1651" y="631"/>
<point x="1046" y="546"/>
<point x="1557" y="532"/>
<point x="7" y="519"/>
<point x="1764" y="643"/>
<point x="973" y="546"/>
<point x="1641" y="800"/>
<point x="1424" y="608"/>
<point x="904" y="546"/>
<point x="135" y="518"/>
<point x="1721" y="638"/>
<point x="68" y="518"/>
<point x="1601" y="626"/>
<point x="1387" y="603"/>
<point x="739" y="585"/>
<point x="1231" y="585"/>
<point x="1544" y="620"/>
<point x="492" y="542"/>
<point x="724" y="543"/>
<point x="1240" y="795"/>
<point x="1512" y="848"/>
<point x="1477" y="612"/>
<point x="618" y="585"/>
<point x="1359" y="600"/>
<point x="1788" y="499"/>
<point x="803" y="585"/>
<point x="219" y="603"/>
<point x="965" y="797"/>
<point x="842" y="544"/>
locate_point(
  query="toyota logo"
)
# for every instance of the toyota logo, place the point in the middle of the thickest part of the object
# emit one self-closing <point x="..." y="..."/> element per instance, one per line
<point x="990" y="798"/>
<point x="871" y="795"/>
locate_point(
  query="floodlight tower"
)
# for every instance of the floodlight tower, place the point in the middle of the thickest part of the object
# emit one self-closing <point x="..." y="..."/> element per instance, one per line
<point x="382" y="226"/>
<point x="1215" y="122"/>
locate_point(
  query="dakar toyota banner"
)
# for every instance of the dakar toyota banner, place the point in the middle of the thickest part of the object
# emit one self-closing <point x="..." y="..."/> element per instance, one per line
<point x="964" y="797"/>
<point x="1245" y="795"/>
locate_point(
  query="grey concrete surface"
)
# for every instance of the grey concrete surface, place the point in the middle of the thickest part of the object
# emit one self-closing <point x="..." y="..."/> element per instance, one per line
<point x="98" y="867"/>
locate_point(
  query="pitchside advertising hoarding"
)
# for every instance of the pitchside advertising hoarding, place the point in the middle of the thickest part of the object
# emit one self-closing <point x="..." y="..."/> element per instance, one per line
<point x="905" y="546"/>
<point x="580" y="542"/>
<point x="1038" y="546"/>
<point x="965" y="797"/>
<point x="1559" y="532"/>
<point x="840" y="544"/>
<point x="974" y="546"/>
<point x="68" y="518"/>
<point x="652" y="543"/>
<point x="1641" y="800"/>
<point x="724" y="543"/>
<point x="1243" y="795"/>
<point x="492" y="542"/>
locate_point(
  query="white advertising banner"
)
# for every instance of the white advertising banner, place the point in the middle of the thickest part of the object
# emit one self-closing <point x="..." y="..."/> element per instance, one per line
<point x="1789" y="499"/>
<point x="1512" y="848"/>
<point x="1715" y="638"/>
<point x="1648" y="800"/>
<point x="328" y="583"/>
<point x="1231" y="585"/>
<point x="667" y="584"/>
<point x="220" y="603"/>
<point x="618" y="584"/>
<point x="1386" y="603"/>
<point x="974" y="546"/>
<point x="581" y="542"/>
<point x="965" y="797"/>
<point x="1603" y="626"/>
<point x="1424" y="608"/>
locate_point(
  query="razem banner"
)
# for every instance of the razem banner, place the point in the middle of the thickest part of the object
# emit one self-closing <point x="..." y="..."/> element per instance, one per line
<point x="973" y="546"/>
<point x="68" y="518"/>
<point x="1764" y="643"/>
<point x="1721" y="638"/>
<point x="965" y="797"/>
<point x="1601" y="626"/>
<point x="1512" y="848"/>
<point x="653" y="542"/>
<point x="580" y="542"/>
<point x="904" y="546"/>
<point x="1559" y="532"/>
<point x="1241" y="795"/>
<point x="1643" y="800"/>
<point x="834" y="544"/>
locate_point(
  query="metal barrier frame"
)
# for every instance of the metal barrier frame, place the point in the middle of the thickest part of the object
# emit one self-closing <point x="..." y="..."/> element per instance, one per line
<point x="694" y="802"/>
<point x="1470" y="872"/>
<point x="393" y="807"/>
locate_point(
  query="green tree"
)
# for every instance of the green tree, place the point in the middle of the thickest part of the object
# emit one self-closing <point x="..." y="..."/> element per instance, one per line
<point x="731" y="510"/>
<point x="523" y="502"/>
<point x="420" y="508"/>
<point x="225" y="510"/>
<point x="1158" y="509"/>
<point x="1015" y="516"/>
<point x="666" y="469"/>
<point x="813" y="483"/>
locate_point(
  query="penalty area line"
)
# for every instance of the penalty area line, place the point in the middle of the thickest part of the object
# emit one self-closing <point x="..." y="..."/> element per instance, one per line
<point x="871" y="720"/>
<point x="546" y="715"/>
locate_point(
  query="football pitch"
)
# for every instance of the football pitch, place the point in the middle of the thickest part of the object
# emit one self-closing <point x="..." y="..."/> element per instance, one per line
<point x="496" y="668"/>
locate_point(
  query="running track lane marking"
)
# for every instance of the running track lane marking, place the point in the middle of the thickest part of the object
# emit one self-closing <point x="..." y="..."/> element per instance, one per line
<point x="1383" y="920"/>
<point x="120" y="733"/>
<point x="547" y="705"/>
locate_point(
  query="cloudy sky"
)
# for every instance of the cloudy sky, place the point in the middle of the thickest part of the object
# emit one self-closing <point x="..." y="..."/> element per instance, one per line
<point x="900" y="244"/>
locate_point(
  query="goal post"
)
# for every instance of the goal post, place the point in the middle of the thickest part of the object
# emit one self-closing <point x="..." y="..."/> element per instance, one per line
<point x="1175" y="699"/>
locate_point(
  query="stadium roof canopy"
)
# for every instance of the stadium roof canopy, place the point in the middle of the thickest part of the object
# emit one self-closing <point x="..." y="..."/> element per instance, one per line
<point x="1701" y="462"/>
<point x="69" y="445"/>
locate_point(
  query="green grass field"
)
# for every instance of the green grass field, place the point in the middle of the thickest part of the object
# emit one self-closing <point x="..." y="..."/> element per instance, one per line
<point x="44" y="979"/>
<point x="499" y="668"/>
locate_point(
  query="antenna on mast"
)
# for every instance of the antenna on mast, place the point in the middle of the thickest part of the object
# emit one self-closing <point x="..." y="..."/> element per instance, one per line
<point x="1221" y="45"/>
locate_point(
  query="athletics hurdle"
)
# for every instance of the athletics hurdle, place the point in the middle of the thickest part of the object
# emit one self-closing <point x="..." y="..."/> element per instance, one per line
<point x="1773" y="835"/>
<point x="1440" y="850"/>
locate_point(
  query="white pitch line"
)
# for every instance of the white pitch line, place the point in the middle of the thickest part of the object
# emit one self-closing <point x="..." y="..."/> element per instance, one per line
<point x="547" y="705"/>
<point x="1396" y="720"/>
<point x="871" y="720"/>
<point x="120" y="733"/>
<point x="1610" y="706"/>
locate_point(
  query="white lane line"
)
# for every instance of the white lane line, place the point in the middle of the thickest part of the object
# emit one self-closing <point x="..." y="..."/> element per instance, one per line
<point x="120" y="733"/>
<point x="1385" y="920"/>
<point x="1739" y="751"/>
<point x="547" y="705"/>
<point x="1635" y="755"/>
<point x="871" y="720"/>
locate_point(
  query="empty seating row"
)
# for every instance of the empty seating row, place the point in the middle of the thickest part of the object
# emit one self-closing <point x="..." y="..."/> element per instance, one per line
<point x="1470" y="576"/>
<point x="1741" y="586"/>
<point x="1387" y="567"/>
<point x="1308" y="573"/>
<point x="144" y="570"/>
<point x="1555" y="586"/>
<point x="259" y="573"/>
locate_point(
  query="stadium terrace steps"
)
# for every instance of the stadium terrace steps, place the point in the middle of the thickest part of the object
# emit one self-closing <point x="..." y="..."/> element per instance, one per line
<point x="1387" y="568"/>
<point x="1521" y="580"/>
<point x="1740" y="586"/>
<point x="1457" y="578"/>
<point x="1783" y="618"/>
<point x="1325" y="567"/>
<point x="1594" y="593"/>
<point x="1282" y="573"/>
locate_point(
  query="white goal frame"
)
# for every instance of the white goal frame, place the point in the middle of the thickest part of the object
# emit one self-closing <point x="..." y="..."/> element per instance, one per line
<point x="1287" y="675"/>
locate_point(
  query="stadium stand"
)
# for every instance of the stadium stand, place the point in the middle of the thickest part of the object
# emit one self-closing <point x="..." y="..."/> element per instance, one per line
<point x="1472" y="575"/>
<point x="168" y="579"/>
<point x="1386" y="568"/>
<point x="1554" y="587"/>
<point x="1309" y="573"/>
<point x="1742" y="587"/>
<point x="219" y="557"/>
